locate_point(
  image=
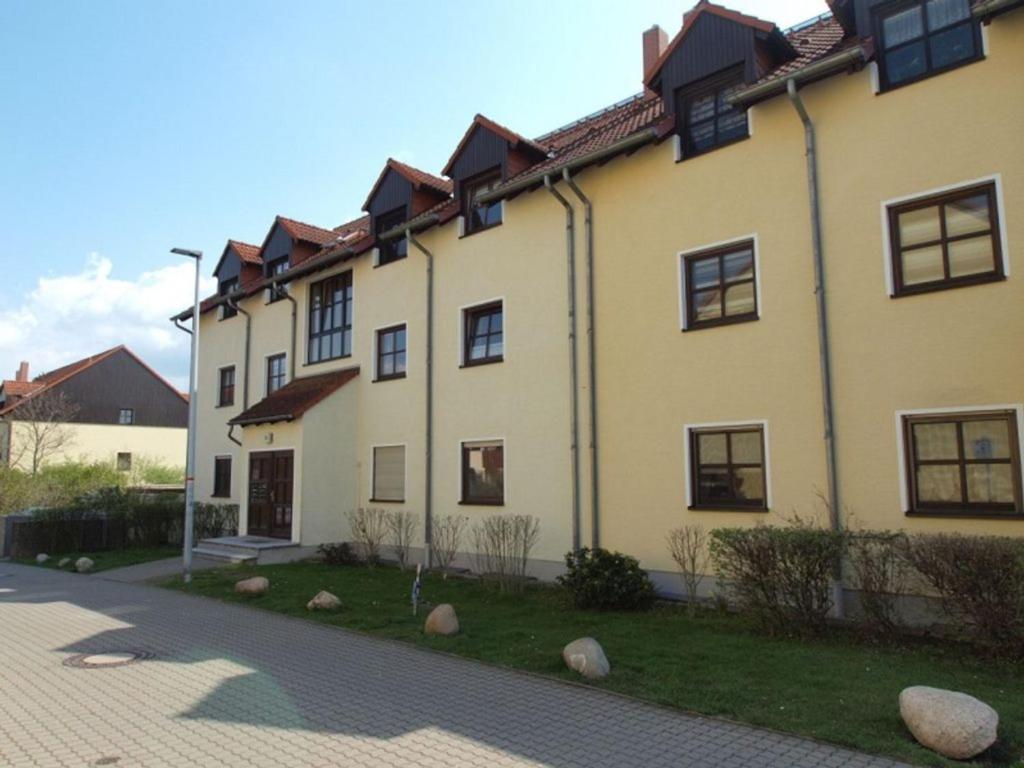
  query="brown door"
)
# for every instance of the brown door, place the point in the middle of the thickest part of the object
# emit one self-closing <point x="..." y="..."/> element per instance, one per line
<point x="270" y="494"/>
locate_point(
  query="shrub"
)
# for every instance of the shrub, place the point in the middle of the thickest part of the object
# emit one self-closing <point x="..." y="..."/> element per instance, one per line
<point x="688" y="547"/>
<point x="402" y="527"/>
<point x="503" y="544"/>
<point x="446" y="537"/>
<point x="981" y="582"/>
<point x="606" y="581"/>
<point x="880" y="574"/>
<point x="337" y="554"/>
<point x="214" y="520"/>
<point x="369" y="528"/>
<point x="780" y="576"/>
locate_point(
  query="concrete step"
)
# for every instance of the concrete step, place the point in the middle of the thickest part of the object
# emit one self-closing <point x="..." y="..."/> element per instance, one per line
<point x="217" y="553"/>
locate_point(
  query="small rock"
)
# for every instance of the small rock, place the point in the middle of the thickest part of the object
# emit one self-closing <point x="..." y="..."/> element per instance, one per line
<point x="64" y="562"/>
<point x="586" y="657"/>
<point x="84" y="565"/>
<point x="949" y="722"/>
<point x="256" y="585"/>
<point x="42" y="558"/>
<point x="324" y="601"/>
<point x="442" y="621"/>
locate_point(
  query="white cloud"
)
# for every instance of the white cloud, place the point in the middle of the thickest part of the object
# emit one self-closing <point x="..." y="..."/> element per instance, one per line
<point x="68" y="317"/>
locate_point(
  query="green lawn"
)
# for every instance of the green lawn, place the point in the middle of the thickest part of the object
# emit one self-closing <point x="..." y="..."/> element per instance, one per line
<point x="835" y="689"/>
<point x="115" y="558"/>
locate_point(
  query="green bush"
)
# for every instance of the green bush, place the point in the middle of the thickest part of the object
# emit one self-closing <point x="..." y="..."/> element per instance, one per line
<point x="337" y="554"/>
<point x="54" y="485"/>
<point x="781" y="576"/>
<point x="606" y="581"/>
<point x="981" y="582"/>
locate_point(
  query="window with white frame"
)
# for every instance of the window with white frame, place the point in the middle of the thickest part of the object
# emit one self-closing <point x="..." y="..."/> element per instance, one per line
<point x="389" y="473"/>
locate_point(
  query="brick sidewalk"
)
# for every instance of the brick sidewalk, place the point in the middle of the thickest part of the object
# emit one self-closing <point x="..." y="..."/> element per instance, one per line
<point x="233" y="686"/>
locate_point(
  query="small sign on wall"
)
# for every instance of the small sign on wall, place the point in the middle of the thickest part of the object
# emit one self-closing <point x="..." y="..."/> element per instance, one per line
<point x="268" y="438"/>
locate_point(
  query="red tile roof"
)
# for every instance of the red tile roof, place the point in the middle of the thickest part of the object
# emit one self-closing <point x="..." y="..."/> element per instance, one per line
<point x="308" y="233"/>
<point x="812" y="42"/>
<point x="419" y="180"/>
<point x="14" y="388"/>
<point x="508" y="135"/>
<point x="248" y="253"/>
<point x="294" y="398"/>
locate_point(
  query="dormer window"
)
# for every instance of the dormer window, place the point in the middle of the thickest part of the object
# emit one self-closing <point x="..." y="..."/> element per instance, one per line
<point x="480" y="215"/>
<point x="275" y="268"/>
<point x="706" y="119"/>
<point x="390" y="250"/>
<point x="923" y="38"/>
<point x="227" y="287"/>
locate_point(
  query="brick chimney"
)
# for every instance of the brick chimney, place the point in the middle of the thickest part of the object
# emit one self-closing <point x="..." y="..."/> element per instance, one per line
<point x="22" y="374"/>
<point x="655" y="42"/>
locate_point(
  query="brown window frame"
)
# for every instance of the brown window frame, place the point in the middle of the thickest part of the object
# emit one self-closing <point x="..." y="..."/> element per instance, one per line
<point x="123" y="462"/>
<point x="274" y="268"/>
<point x="381" y="354"/>
<point x="227" y="287"/>
<point x="469" y="318"/>
<point x="881" y="12"/>
<point x="466" y="498"/>
<point x="734" y="503"/>
<point x="281" y="377"/>
<point x="318" y="329"/>
<point x="221" y="477"/>
<point x="720" y="252"/>
<point x="998" y="510"/>
<point x="713" y="84"/>
<point x="994" y="232"/>
<point x="390" y="251"/>
<point x="225" y="391"/>
<point x="466" y="191"/>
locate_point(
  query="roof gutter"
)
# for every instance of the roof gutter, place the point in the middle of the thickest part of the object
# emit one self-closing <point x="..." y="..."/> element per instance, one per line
<point x="987" y="8"/>
<point x="819" y="69"/>
<point x="632" y="141"/>
<point x="262" y="420"/>
<point x="248" y="345"/>
<point x="402" y="230"/>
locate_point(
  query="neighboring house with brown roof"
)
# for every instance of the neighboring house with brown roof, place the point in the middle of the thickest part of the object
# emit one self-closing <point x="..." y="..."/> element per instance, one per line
<point x="110" y="407"/>
<point x="640" y="320"/>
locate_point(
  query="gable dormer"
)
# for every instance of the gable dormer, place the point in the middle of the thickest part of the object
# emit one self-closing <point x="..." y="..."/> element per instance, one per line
<point x="716" y="53"/>
<point x="487" y="155"/>
<point x="240" y="264"/>
<point x="401" y="193"/>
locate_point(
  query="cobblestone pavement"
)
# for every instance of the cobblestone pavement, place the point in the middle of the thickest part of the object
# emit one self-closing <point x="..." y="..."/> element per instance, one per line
<point x="232" y="686"/>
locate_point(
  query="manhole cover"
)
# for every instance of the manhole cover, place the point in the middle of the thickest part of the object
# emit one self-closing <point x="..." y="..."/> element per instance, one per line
<point x="106" y="660"/>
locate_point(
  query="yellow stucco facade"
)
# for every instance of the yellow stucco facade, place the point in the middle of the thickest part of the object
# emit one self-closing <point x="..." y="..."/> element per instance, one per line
<point x="955" y="349"/>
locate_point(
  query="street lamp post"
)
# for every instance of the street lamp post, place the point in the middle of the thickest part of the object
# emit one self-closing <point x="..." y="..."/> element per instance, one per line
<point x="190" y="459"/>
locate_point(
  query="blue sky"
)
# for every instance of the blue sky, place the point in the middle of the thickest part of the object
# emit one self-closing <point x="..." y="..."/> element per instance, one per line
<point x="130" y="127"/>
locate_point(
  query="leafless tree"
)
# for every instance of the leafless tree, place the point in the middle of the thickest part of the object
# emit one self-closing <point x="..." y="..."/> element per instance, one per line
<point x="688" y="546"/>
<point x="446" y="535"/>
<point x="402" y="527"/>
<point x="41" y="429"/>
<point x="503" y="544"/>
<point x="369" y="528"/>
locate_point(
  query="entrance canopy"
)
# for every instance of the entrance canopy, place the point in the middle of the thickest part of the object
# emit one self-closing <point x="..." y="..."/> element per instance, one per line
<point x="294" y="398"/>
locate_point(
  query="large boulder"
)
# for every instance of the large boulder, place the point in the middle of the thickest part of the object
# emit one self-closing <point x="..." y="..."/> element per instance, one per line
<point x="951" y="723"/>
<point x="64" y="562"/>
<point x="442" y="621"/>
<point x="256" y="585"/>
<point x="586" y="657"/>
<point x="324" y="601"/>
<point x="84" y="565"/>
<point x="42" y="558"/>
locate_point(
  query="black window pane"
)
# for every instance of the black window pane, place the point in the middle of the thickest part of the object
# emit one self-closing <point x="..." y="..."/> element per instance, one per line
<point x="702" y="108"/>
<point x="942" y="13"/>
<point x="702" y="136"/>
<point x="951" y="46"/>
<point x="732" y="125"/>
<point x="906" y="63"/>
<point x="903" y="26"/>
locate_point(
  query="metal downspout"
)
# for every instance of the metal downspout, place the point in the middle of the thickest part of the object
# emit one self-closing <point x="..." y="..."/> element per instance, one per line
<point x="280" y="291"/>
<point x="824" y="350"/>
<point x="248" y="336"/>
<point x="595" y="483"/>
<point x="428" y="510"/>
<point x="574" y="436"/>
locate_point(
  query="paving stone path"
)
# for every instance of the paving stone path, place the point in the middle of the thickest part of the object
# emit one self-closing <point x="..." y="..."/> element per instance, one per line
<point x="227" y="685"/>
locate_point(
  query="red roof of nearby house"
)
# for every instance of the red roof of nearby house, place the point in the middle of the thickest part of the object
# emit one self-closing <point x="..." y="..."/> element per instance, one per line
<point x="247" y="252"/>
<point x="308" y="233"/>
<point x="294" y="398"/>
<point x="47" y="381"/>
<point x="15" y="388"/>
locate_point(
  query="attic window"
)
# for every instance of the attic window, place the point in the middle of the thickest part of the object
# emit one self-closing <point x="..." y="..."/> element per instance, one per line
<point x="227" y="287"/>
<point x="706" y="119"/>
<point x="390" y="250"/>
<point x="920" y="39"/>
<point x="481" y="215"/>
<point x="275" y="268"/>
